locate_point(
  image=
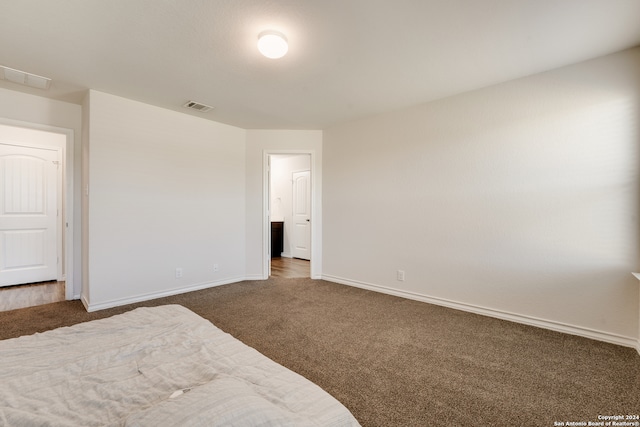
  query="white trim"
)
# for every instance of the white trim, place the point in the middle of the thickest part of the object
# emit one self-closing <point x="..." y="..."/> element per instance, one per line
<point x="155" y="295"/>
<point x="637" y="276"/>
<point x="316" y="214"/>
<point x="83" y="299"/>
<point x="499" y="314"/>
<point x="266" y="216"/>
<point x="68" y="165"/>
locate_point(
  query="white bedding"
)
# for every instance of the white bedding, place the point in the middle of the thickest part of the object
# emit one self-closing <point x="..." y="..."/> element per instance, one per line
<point x="162" y="366"/>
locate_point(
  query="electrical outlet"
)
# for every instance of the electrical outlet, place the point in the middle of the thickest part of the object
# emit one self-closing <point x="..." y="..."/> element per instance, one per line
<point x="400" y="275"/>
<point x="216" y="267"/>
<point x="178" y="272"/>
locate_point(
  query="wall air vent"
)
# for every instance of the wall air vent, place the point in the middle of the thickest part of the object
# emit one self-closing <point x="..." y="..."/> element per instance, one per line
<point x="198" y="106"/>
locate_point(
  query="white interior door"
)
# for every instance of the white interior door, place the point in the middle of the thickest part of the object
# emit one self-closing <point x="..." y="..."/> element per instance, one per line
<point x="301" y="233"/>
<point x="28" y="214"/>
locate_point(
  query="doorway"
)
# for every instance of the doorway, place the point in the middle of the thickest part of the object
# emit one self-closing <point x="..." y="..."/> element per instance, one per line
<point x="289" y="212"/>
<point x="36" y="182"/>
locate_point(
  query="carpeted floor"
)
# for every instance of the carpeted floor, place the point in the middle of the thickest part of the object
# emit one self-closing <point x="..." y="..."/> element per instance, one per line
<point x="397" y="362"/>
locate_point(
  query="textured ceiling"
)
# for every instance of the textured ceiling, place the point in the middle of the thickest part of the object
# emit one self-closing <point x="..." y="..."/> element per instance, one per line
<point x="347" y="58"/>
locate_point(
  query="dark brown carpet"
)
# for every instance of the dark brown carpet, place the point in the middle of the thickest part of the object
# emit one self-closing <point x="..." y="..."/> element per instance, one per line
<point x="397" y="362"/>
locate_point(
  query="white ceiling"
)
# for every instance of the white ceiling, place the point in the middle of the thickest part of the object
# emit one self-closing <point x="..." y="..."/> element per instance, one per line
<point x="347" y="58"/>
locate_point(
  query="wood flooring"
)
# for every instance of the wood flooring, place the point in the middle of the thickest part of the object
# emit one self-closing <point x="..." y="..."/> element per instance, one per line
<point x="290" y="268"/>
<point x="21" y="296"/>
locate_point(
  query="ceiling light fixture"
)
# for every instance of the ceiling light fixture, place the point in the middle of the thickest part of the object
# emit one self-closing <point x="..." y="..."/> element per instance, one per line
<point x="272" y="44"/>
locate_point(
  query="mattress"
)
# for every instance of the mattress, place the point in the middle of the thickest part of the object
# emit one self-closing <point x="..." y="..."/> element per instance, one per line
<point x="161" y="366"/>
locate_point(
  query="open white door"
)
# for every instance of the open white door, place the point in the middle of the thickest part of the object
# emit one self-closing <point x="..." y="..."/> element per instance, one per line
<point x="28" y="214"/>
<point x="301" y="234"/>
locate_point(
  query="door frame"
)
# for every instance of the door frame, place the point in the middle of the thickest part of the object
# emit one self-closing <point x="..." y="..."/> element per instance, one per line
<point x="316" y="212"/>
<point x="66" y="223"/>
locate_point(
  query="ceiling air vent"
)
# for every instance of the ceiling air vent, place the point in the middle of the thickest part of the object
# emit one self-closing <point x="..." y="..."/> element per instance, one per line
<point x="198" y="106"/>
<point x="24" y="78"/>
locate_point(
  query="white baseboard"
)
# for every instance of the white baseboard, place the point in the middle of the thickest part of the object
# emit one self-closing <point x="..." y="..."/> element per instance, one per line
<point x="84" y="301"/>
<point x="513" y="317"/>
<point x="155" y="295"/>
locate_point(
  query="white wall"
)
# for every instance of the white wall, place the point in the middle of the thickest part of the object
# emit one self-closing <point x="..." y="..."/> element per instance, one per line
<point x="518" y="200"/>
<point x="282" y="169"/>
<point x="279" y="141"/>
<point x="146" y="169"/>
<point x="20" y="109"/>
<point x="166" y="190"/>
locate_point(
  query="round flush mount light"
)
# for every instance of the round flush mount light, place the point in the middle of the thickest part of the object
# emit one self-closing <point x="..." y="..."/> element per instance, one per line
<point x="272" y="44"/>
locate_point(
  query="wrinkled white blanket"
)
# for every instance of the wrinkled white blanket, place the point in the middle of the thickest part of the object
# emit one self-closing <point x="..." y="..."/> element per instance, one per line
<point x="162" y="366"/>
